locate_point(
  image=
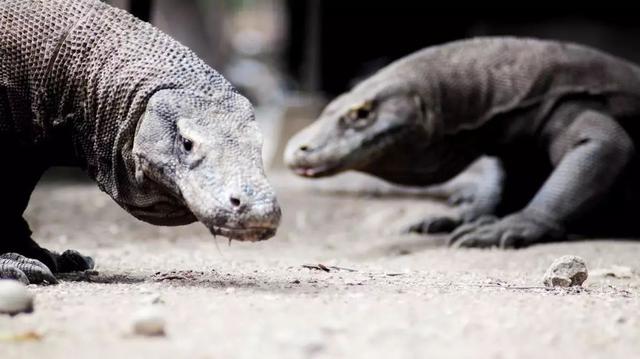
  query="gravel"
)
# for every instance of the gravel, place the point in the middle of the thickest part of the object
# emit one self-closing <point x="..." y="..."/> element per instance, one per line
<point x="404" y="296"/>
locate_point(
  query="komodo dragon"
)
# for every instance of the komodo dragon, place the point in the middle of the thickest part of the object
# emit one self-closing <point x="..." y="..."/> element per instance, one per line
<point x="562" y="119"/>
<point x="167" y="137"/>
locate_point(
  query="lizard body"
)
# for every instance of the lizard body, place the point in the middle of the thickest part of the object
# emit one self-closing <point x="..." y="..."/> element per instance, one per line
<point x="561" y="119"/>
<point x="167" y="137"/>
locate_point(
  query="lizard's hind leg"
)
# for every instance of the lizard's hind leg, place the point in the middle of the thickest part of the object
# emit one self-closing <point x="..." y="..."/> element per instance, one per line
<point x="589" y="151"/>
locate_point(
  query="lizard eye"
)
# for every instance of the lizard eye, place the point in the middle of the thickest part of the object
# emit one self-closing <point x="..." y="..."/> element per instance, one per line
<point x="359" y="116"/>
<point x="360" y="113"/>
<point x="187" y="144"/>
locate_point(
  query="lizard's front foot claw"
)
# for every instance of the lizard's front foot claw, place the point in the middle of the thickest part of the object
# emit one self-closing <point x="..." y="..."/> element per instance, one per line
<point x="72" y="261"/>
<point x="435" y="225"/>
<point x="25" y="270"/>
<point x="514" y="231"/>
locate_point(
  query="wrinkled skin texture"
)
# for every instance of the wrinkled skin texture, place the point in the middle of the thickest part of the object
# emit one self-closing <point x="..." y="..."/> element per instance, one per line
<point x="206" y="157"/>
<point x="168" y="138"/>
<point x="559" y="121"/>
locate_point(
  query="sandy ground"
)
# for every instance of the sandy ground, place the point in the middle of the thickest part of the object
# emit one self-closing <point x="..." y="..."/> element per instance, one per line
<point x="394" y="296"/>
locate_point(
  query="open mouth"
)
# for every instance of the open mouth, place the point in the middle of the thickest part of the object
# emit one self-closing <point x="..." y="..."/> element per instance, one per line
<point x="251" y="234"/>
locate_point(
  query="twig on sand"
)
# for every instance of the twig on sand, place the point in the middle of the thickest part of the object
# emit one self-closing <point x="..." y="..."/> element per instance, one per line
<point x="515" y="287"/>
<point x="525" y="287"/>
<point x="321" y="267"/>
<point x="325" y="268"/>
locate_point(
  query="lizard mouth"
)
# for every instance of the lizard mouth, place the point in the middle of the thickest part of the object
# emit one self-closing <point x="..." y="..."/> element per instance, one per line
<point x="316" y="171"/>
<point x="251" y="234"/>
<point x="367" y="152"/>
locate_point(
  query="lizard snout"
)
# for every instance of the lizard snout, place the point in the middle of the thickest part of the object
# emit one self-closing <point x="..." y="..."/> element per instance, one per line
<point x="246" y="219"/>
<point x="298" y="153"/>
<point x="238" y="204"/>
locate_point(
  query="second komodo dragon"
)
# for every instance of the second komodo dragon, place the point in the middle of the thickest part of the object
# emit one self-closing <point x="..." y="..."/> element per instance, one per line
<point x="562" y="119"/>
<point x="167" y="137"/>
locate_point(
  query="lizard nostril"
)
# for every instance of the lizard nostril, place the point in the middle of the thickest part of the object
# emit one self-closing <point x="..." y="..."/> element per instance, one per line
<point x="305" y="148"/>
<point x="234" y="201"/>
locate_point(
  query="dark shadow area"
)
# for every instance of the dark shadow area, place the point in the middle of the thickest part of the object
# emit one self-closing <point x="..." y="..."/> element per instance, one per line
<point x="332" y="44"/>
<point x="102" y="278"/>
<point x="200" y="279"/>
<point x="65" y="174"/>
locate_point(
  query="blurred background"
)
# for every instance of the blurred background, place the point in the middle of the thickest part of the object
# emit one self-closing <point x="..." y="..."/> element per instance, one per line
<point x="291" y="56"/>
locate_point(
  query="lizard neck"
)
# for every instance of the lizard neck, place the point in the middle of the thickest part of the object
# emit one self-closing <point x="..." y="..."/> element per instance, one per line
<point x="420" y="162"/>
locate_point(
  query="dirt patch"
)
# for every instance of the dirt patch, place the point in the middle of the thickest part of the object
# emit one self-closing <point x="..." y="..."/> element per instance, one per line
<point x="384" y="294"/>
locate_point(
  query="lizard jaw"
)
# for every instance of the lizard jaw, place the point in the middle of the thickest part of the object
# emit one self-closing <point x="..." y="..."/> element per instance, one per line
<point x="316" y="171"/>
<point x="251" y="234"/>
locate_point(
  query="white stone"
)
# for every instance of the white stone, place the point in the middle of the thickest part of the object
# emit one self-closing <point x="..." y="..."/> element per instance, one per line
<point x="15" y="298"/>
<point x="149" y="321"/>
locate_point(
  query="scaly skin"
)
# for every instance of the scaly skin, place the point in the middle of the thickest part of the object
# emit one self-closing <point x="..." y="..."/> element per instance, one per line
<point x="167" y="137"/>
<point x="560" y="118"/>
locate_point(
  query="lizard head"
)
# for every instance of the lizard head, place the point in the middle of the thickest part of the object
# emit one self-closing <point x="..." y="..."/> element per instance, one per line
<point x="355" y="130"/>
<point x="206" y="154"/>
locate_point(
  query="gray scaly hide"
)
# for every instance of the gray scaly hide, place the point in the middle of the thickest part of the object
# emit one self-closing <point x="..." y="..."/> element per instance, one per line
<point x="561" y="119"/>
<point x="86" y="69"/>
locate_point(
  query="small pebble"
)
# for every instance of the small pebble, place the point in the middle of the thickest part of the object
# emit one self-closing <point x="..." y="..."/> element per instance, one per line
<point x="566" y="271"/>
<point x="149" y="322"/>
<point x="153" y="298"/>
<point x="15" y="298"/>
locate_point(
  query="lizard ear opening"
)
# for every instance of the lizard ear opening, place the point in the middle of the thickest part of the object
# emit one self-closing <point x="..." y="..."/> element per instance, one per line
<point x="425" y="116"/>
<point x="420" y="106"/>
<point x="139" y="172"/>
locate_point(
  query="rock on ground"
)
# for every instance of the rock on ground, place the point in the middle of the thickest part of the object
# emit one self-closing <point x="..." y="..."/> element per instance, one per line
<point x="149" y="321"/>
<point x="566" y="271"/>
<point x="14" y="298"/>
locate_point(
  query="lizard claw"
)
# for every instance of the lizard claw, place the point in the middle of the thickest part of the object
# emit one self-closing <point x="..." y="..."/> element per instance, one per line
<point x="435" y="225"/>
<point x="462" y="197"/>
<point x="514" y="231"/>
<point x="72" y="261"/>
<point x="25" y="270"/>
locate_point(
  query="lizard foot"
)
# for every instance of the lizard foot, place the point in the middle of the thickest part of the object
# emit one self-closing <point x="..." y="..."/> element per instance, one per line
<point x="26" y="270"/>
<point x="472" y="202"/>
<point x="461" y="197"/>
<point x="72" y="261"/>
<point x="515" y="231"/>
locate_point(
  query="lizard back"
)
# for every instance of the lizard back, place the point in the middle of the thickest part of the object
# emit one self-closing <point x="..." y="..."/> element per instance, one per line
<point x="471" y="81"/>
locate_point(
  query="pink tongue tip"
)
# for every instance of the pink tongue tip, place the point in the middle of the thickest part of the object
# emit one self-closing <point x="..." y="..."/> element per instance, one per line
<point x="304" y="171"/>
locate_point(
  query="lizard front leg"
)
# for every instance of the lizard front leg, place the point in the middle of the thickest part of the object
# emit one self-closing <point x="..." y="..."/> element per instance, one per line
<point x="21" y="258"/>
<point x="473" y="200"/>
<point x="589" y="156"/>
